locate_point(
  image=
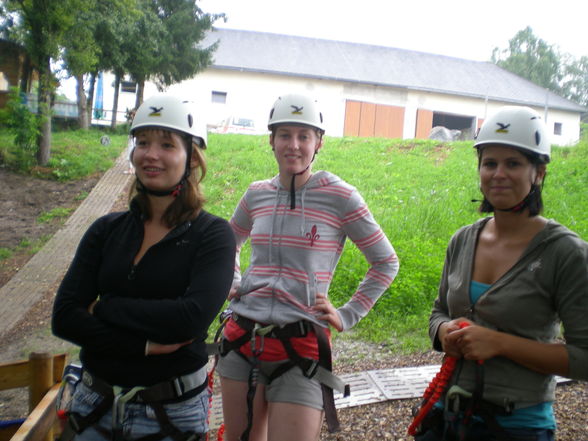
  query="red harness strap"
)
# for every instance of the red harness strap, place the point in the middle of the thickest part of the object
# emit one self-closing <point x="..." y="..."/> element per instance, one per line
<point x="435" y="389"/>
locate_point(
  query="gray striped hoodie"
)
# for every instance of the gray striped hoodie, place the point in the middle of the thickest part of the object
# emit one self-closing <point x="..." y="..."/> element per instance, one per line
<point x="294" y="252"/>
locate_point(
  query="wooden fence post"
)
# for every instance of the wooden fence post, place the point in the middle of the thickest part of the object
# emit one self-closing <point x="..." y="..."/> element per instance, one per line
<point x="41" y="380"/>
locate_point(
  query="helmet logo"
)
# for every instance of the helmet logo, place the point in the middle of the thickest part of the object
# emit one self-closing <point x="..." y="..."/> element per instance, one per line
<point x="155" y="111"/>
<point x="297" y="110"/>
<point x="502" y="128"/>
<point x="190" y="120"/>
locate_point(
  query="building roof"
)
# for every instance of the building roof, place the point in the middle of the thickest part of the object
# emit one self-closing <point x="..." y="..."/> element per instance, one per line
<point x="252" y="51"/>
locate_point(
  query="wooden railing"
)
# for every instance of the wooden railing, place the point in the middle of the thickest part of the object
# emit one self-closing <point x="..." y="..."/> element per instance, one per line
<point x="41" y="374"/>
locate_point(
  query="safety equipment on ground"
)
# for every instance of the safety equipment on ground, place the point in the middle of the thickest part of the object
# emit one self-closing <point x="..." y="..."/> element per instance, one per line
<point x="296" y="109"/>
<point x="519" y="127"/>
<point x="172" y="113"/>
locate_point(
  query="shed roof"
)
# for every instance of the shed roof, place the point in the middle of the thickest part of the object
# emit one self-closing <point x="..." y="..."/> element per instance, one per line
<point x="377" y="65"/>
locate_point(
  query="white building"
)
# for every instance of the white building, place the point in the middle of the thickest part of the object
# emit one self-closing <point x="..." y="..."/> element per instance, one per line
<point x="365" y="90"/>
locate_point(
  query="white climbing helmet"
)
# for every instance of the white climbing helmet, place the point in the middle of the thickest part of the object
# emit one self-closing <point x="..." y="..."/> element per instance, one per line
<point x="516" y="126"/>
<point x="296" y="109"/>
<point x="172" y="113"/>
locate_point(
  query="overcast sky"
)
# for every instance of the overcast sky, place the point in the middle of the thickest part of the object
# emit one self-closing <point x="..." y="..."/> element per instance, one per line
<point x="468" y="29"/>
<point x="458" y="28"/>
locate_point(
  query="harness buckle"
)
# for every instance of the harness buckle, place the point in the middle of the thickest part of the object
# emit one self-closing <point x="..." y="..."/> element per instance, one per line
<point x="302" y="328"/>
<point x="311" y="371"/>
<point x="456" y="398"/>
<point x="178" y="386"/>
<point x="254" y="349"/>
<point x="261" y="331"/>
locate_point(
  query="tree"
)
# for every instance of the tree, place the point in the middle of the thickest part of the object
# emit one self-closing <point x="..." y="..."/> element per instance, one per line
<point x="575" y="81"/>
<point x="42" y="25"/>
<point x="144" y="48"/>
<point x="94" y="43"/>
<point x="81" y="56"/>
<point x="111" y="34"/>
<point x="177" y="56"/>
<point x="531" y="58"/>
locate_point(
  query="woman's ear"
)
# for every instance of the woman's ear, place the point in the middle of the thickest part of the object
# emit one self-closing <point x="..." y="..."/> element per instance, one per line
<point x="194" y="162"/>
<point x="319" y="145"/>
<point x="541" y="172"/>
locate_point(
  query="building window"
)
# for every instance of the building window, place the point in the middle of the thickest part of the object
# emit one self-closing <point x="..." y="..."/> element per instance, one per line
<point x="128" y="86"/>
<point x="219" y="97"/>
<point x="557" y="128"/>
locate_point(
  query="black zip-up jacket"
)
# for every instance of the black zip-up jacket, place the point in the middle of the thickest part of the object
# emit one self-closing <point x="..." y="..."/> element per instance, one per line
<point x="172" y="295"/>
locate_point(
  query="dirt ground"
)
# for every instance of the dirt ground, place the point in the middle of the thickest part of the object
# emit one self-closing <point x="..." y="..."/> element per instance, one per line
<point x="23" y="199"/>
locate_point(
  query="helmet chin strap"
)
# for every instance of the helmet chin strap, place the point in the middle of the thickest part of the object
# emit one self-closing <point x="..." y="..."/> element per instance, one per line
<point x="293" y="182"/>
<point x="521" y="205"/>
<point x="175" y="191"/>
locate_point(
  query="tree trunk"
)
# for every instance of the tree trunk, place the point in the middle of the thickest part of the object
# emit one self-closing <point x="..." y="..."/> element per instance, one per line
<point x="140" y="91"/>
<point x="115" y="101"/>
<point x="90" y="104"/>
<point x="44" y="112"/>
<point x="82" y="103"/>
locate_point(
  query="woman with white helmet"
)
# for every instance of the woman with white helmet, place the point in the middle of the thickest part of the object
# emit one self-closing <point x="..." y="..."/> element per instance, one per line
<point x="509" y="282"/>
<point x="143" y="288"/>
<point x="276" y="349"/>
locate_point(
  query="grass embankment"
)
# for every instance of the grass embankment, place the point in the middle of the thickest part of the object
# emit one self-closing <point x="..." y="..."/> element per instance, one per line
<point x="420" y="192"/>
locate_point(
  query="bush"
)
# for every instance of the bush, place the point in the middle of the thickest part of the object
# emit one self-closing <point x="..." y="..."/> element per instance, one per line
<point x="24" y="126"/>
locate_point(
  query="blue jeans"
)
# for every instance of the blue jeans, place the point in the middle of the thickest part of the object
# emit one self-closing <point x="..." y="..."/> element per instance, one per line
<point x="139" y="419"/>
<point x="439" y="429"/>
<point x="482" y="434"/>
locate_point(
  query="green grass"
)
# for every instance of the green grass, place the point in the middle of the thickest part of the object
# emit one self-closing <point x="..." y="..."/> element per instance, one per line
<point x="420" y="192"/>
<point x="75" y="154"/>
<point x="56" y="213"/>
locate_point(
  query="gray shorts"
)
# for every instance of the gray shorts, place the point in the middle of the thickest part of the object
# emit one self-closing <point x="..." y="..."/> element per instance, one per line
<point x="290" y="387"/>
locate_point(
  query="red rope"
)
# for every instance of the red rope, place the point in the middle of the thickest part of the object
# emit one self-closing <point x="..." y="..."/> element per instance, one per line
<point x="435" y="389"/>
<point x="221" y="432"/>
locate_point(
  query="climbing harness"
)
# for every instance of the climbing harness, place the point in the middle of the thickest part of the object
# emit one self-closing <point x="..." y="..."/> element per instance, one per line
<point x="116" y="399"/>
<point x="435" y="389"/>
<point x="460" y="405"/>
<point x="321" y="369"/>
<point x="433" y="393"/>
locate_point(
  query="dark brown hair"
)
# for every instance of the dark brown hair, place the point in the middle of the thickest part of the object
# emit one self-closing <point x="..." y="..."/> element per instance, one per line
<point x="190" y="199"/>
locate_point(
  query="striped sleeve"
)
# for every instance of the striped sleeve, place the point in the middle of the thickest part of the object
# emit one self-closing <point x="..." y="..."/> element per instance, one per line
<point x="363" y="230"/>
<point x="241" y="223"/>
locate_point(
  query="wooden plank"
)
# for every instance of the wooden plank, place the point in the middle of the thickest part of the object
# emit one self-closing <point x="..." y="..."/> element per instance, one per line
<point x="14" y="374"/>
<point x="40" y="420"/>
<point x="424" y="123"/>
<point x="367" y="120"/>
<point x="59" y="362"/>
<point x="382" y="124"/>
<point x="352" y="115"/>
<point x="389" y="121"/>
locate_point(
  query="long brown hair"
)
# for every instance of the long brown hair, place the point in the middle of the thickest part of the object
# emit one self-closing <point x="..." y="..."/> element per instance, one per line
<point x="190" y="199"/>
